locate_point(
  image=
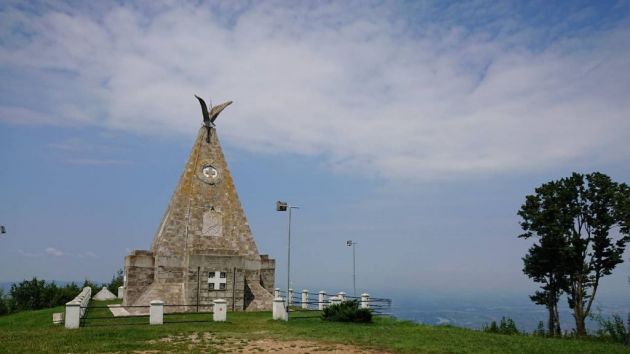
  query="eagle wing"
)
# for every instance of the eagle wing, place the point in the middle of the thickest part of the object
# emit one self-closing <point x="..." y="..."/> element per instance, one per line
<point x="214" y="112"/>
<point x="204" y="110"/>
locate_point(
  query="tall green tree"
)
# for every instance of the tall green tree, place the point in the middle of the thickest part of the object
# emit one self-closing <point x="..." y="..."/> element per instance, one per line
<point x="37" y="294"/>
<point x="545" y="216"/>
<point x="117" y="280"/>
<point x="539" y="266"/>
<point x="29" y="294"/>
<point x="582" y="223"/>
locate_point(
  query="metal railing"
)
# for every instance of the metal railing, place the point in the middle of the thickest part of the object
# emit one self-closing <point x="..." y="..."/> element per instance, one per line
<point x="378" y="306"/>
<point x="89" y="319"/>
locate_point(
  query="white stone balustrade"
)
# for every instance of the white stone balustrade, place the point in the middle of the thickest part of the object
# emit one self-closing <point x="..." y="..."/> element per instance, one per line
<point x="305" y="299"/>
<point x="290" y="296"/>
<point x="365" y="301"/>
<point x="321" y="300"/>
<point x="121" y="292"/>
<point x="219" y="312"/>
<point x="280" y="307"/>
<point x="156" y="312"/>
<point x="75" y="309"/>
<point x="279" y="310"/>
<point x="276" y="293"/>
<point x="335" y="300"/>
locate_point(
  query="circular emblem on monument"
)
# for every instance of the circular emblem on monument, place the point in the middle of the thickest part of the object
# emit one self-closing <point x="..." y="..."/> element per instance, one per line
<point x="209" y="174"/>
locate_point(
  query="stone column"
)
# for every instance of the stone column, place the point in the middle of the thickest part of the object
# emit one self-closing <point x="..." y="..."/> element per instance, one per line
<point x="341" y="295"/>
<point x="321" y="300"/>
<point x="290" y="294"/>
<point x="276" y="293"/>
<point x="365" y="301"/>
<point x="305" y="299"/>
<point x="73" y="314"/>
<point x="156" y="312"/>
<point x="279" y="311"/>
<point x="335" y="300"/>
<point x="121" y="291"/>
<point x="219" y="313"/>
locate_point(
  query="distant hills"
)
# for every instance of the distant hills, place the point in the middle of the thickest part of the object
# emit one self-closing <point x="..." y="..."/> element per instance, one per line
<point x="6" y="286"/>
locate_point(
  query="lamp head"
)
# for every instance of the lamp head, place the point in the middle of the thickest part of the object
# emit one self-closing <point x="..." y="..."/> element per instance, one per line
<point x="281" y="206"/>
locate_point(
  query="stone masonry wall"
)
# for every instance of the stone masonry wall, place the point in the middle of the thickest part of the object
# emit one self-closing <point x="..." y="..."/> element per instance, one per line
<point x="139" y="274"/>
<point x="233" y="266"/>
<point x="267" y="272"/>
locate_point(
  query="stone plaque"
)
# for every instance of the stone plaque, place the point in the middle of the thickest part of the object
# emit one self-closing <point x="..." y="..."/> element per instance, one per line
<point x="212" y="224"/>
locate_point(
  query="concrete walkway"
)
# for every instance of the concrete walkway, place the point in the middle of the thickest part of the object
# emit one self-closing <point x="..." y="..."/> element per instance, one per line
<point x="118" y="311"/>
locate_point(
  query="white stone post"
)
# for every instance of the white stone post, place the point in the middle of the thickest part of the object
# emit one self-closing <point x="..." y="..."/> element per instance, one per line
<point x="276" y="293"/>
<point x="342" y="296"/>
<point x="279" y="311"/>
<point x="121" y="291"/>
<point x="73" y="314"/>
<point x="219" y="313"/>
<point x="365" y="301"/>
<point x="321" y="300"/>
<point x="156" y="312"/>
<point x="335" y="300"/>
<point x="290" y="294"/>
<point x="305" y="299"/>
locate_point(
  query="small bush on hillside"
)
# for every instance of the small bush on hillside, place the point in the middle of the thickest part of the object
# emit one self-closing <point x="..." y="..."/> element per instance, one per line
<point x="540" y="331"/>
<point x="37" y="294"/>
<point x="506" y="326"/>
<point x="347" y="311"/>
<point x="614" y="329"/>
<point x="4" y="308"/>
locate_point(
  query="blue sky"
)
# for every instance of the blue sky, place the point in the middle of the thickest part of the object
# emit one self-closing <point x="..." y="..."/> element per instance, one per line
<point x="414" y="128"/>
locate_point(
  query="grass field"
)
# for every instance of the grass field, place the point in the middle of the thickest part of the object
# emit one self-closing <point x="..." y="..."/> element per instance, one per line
<point x="33" y="332"/>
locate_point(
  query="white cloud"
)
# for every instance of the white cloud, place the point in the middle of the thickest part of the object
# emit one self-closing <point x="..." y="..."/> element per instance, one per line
<point x="54" y="252"/>
<point x="356" y="85"/>
<point x="27" y="254"/>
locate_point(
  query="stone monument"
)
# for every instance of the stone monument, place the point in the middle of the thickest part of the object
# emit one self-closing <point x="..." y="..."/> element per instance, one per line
<point x="203" y="249"/>
<point x="104" y="295"/>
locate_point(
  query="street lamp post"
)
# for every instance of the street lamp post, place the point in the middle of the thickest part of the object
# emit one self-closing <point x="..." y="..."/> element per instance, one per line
<point x="284" y="206"/>
<point x="351" y="243"/>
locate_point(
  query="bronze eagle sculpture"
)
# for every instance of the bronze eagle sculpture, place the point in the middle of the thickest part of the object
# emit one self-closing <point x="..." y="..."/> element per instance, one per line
<point x="210" y="117"/>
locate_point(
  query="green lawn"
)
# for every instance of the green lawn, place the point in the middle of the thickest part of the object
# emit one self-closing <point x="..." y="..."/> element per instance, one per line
<point x="33" y="331"/>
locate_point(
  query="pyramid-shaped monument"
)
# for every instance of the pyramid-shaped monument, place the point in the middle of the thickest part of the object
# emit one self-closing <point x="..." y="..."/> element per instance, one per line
<point x="204" y="248"/>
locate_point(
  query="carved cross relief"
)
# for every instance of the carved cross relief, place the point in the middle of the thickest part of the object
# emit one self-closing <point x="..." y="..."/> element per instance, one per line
<point x="217" y="280"/>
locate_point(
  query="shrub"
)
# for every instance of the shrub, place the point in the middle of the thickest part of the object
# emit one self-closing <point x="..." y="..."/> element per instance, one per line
<point x="37" y="294"/>
<point x="540" y="330"/>
<point x="614" y="329"/>
<point x="491" y="328"/>
<point x="4" y="309"/>
<point x="347" y="311"/>
<point x="506" y="326"/>
<point x="28" y="295"/>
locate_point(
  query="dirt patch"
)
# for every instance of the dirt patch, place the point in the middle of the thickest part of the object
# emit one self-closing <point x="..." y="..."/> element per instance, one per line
<point x="213" y="343"/>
